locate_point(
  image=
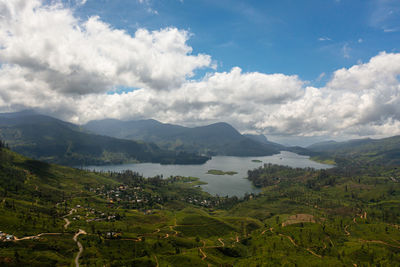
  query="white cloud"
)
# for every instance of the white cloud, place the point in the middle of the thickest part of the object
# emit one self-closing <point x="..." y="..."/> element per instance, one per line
<point x="69" y="65"/>
<point x="321" y="76"/>
<point x="153" y="11"/>
<point x="385" y="15"/>
<point x="81" y="57"/>
<point x="380" y="74"/>
<point x="390" y="30"/>
<point x="346" y="50"/>
<point x="359" y="101"/>
<point x="149" y="8"/>
<point x="324" y="39"/>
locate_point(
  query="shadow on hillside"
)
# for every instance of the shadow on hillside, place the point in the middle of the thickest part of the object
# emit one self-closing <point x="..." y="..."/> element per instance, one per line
<point x="37" y="168"/>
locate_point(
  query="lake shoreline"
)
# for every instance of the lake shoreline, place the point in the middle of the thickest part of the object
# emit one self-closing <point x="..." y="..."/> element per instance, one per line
<point x="231" y="185"/>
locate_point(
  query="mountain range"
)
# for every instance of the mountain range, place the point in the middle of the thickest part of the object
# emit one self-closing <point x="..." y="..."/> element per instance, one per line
<point x="215" y="139"/>
<point x="52" y="140"/>
<point x="112" y="141"/>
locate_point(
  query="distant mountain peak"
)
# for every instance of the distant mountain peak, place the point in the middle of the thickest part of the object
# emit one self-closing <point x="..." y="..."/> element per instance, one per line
<point x="219" y="138"/>
<point x="257" y="137"/>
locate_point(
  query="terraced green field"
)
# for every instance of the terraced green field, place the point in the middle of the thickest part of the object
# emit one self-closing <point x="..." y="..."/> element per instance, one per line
<point x="340" y="217"/>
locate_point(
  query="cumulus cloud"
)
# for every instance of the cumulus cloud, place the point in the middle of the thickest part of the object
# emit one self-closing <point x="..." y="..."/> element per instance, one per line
<point x="56" y="63"/>
<point x="81" y="57"/>
<point x="363" y="100"/>
<point x="379" y="74"/>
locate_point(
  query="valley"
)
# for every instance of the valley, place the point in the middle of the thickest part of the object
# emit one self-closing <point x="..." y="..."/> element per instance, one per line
<point x="231" y="185"/>
<point x="302" y="216"/>
<point x="257" y="210"/>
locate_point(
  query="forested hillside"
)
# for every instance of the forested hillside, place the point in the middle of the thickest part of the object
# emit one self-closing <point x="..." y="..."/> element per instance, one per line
<point x="373" y="151"/>
<point x="55" y="141"/>
<point x="52" y="215"/>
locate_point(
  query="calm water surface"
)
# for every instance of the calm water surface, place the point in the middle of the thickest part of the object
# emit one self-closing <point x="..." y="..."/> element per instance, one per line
<point x="231" y="185"/>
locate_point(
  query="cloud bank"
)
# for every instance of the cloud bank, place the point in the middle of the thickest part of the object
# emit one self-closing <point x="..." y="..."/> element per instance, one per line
<point x="56" y="63"/>
<point x="81" y="57"/>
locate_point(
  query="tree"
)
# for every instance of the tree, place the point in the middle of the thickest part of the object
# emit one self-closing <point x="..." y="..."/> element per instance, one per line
<point x="277" y="219"/>
<point x="16" y="256"/>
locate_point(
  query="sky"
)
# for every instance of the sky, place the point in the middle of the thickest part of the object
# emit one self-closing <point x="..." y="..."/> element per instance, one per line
<point x="296" y="71"/>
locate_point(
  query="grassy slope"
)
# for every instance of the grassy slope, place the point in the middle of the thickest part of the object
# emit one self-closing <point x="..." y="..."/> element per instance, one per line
<point x="381" y="151"/>
<point x="177" y="233"/>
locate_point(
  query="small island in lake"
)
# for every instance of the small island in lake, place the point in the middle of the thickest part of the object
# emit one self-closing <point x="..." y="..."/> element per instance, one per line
<point x="256" y="160"/>
<point x="219" y="172"/>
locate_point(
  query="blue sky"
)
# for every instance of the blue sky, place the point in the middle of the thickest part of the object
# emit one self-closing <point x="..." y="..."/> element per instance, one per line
<point x="305" y="38"/>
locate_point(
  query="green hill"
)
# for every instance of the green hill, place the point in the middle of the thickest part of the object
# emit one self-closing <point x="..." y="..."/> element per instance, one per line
<point x="46" y="138"/>
<point x="38" y="186"/>
<point x="378" y="151"/>
<point x="303" y="217"/>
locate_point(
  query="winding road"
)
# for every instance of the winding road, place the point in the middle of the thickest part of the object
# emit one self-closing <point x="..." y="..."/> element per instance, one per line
<point x="35" y="236"/>
<point x="294" y="243"/>
<point x="155" y="257"/>
<point x="345" y="230"/>
<point x="75" y="238"/>
<point x="203" y="254"/>
<point x="67" y="223"/>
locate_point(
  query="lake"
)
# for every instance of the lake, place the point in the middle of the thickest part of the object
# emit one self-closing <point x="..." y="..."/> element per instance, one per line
<point x="231" y="185"/>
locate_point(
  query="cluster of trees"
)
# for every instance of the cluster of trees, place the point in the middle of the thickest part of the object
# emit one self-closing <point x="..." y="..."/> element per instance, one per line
<point x="159" y="190"/>
<point x="271" y="174"/>
<point x="3" y="144"/>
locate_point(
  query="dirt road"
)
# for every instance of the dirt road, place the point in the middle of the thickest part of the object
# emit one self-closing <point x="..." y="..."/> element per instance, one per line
<point x="75" y="238"/>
